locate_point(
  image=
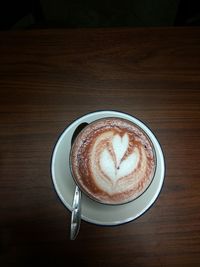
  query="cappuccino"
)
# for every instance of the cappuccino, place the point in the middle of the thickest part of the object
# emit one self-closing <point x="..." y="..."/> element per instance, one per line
<point x="113" y="160"/>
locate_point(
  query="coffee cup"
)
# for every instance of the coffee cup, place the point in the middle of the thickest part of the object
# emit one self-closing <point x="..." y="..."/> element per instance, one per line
<point x="113" y="160"/>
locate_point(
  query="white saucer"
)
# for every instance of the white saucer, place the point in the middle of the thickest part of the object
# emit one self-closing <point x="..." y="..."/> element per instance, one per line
<point x="95" y="212"/>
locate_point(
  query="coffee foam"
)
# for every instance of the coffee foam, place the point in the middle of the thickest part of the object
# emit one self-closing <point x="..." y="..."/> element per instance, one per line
<point x="113" y="160"/>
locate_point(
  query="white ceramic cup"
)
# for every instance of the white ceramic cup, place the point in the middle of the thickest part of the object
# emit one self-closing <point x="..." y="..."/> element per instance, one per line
<point x="80" y="135"/>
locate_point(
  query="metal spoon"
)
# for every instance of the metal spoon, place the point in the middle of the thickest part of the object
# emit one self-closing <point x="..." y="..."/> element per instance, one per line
<point x="76" y="214"/>
<point x="76" y="205"/>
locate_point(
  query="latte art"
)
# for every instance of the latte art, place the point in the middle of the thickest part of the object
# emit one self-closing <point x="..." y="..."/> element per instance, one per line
<point x="113" y="160"/>
<point x="109" y="161"/>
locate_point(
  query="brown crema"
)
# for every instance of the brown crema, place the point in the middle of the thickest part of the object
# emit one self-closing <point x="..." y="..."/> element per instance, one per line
<point x="113" y="160"/>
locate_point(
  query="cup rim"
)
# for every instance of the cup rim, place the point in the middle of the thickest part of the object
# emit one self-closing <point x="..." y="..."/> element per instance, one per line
<point x="137" y="126"/>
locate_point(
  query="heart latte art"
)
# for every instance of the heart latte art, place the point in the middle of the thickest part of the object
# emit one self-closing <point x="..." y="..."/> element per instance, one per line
<point x="113" y="160"/>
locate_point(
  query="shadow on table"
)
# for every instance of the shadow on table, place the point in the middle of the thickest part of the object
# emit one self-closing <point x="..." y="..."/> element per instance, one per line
<point x="31" y="14"/>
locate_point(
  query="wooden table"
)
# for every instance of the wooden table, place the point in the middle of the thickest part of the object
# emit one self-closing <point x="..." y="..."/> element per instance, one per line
<point x="50" y="77"/>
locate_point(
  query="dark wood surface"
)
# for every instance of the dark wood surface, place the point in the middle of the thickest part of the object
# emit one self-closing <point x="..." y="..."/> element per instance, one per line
<point x="50" y="77"/>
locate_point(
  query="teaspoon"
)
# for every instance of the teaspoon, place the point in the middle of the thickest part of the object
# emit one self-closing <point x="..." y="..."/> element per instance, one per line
<point x="76" y="205"/>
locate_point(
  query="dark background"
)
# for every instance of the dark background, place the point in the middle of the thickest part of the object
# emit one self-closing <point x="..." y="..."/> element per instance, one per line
<point x="26" y="14"/>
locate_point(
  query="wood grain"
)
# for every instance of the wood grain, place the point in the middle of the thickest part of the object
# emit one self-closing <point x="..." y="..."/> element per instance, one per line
<point x="50" y="77"/>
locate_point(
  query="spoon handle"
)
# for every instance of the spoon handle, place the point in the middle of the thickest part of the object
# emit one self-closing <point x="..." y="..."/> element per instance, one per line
<point x="76" y="214"/>
<point x="76" y="205"/>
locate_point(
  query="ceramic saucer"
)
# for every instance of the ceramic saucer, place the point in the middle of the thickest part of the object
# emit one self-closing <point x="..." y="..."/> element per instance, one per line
<point x="92" y="211"/>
